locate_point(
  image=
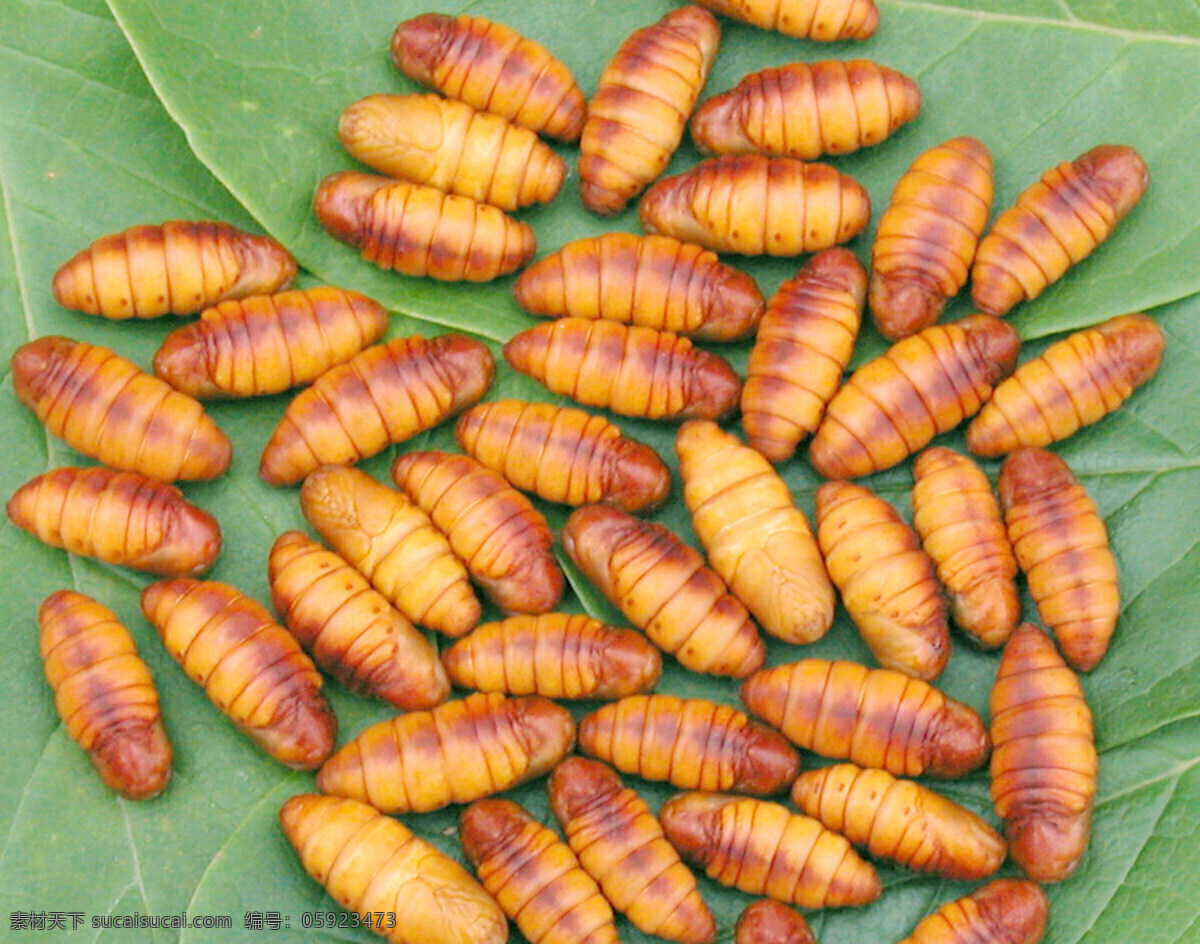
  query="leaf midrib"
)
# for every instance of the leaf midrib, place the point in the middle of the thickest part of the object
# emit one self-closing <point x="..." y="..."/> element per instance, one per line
<point x="1070" y="22"/>
<point x="30" y="331"/>
<point x="247" y="205"/>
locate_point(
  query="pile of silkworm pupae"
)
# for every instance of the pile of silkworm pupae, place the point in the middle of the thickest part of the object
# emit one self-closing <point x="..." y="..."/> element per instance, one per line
<point x="624" y="311"/>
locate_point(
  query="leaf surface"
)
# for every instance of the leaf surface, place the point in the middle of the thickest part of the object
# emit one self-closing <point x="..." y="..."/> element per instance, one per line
<point x="234" y="118"/>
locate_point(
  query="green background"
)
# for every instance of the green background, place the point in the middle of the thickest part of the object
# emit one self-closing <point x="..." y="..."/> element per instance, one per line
<point x="146" y="110"/>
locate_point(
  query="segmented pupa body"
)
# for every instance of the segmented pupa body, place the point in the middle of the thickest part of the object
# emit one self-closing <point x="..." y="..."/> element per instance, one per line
<point x="927" y="236"/>
<point x="630" y="370"/>
<point x="179" y="267"/>
<point x="764" y="849"/>
<point x="491" y="67"/>
<point x="460" y="751"/>
<point x="1073" y="383"/>
<point x="422" y="231"/>
<point x="557" y="655"/>
<point x="350" y="629"/>
<point x="754" y="535"/>
<point x="1005" y="911"/>
<point x="621" y="845"/>
<point x="663" y="586"/>
<point x="106" y="407"/>
<point x="104" y="694"/>
<point x="803" y="345"/>
<point x="821" y="20"/>
<point x="887" y="582"/>
<point x="806" y="109"/>
<point x="1055" y="223"/>
<point x="251" y="668"/>
<point x="918" y="388"/>
<point x="448" y="145"/>
<point x="563" y="454"/>
<point x="496" y="532"/>
<point x="534" y="876"/>
<point x="757" y="205"/>
<point x="394" y="544"/>
<point x="1044" y="759"/>
<point x="962" y="530"/>
<point x="374" y="866"/>
<point x="689" y="742"/>
<point x="900" y="820"/>
<point x="643" y="98"/>
<point x="120" y="518"/>
<point x="387" y="394"/>
<point x="650" y="281"/>
<point x="1061" y="544"/>
<point x="267" y="343"/>
<point x="873" y="717"/>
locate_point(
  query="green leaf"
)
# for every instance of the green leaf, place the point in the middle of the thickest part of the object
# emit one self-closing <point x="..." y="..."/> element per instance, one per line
<point x="259" y="101"/>
<point x="234" y="118"/>
<point x="1168" y="21"/>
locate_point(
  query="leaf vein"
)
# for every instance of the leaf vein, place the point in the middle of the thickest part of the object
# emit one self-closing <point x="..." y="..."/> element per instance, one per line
<point x="86" y="80"/>
<point x="1107" y="898"/>
<point x="1026" y="19"/>
<point x="286" y="785"/>
<point x="1175" y="772"/>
